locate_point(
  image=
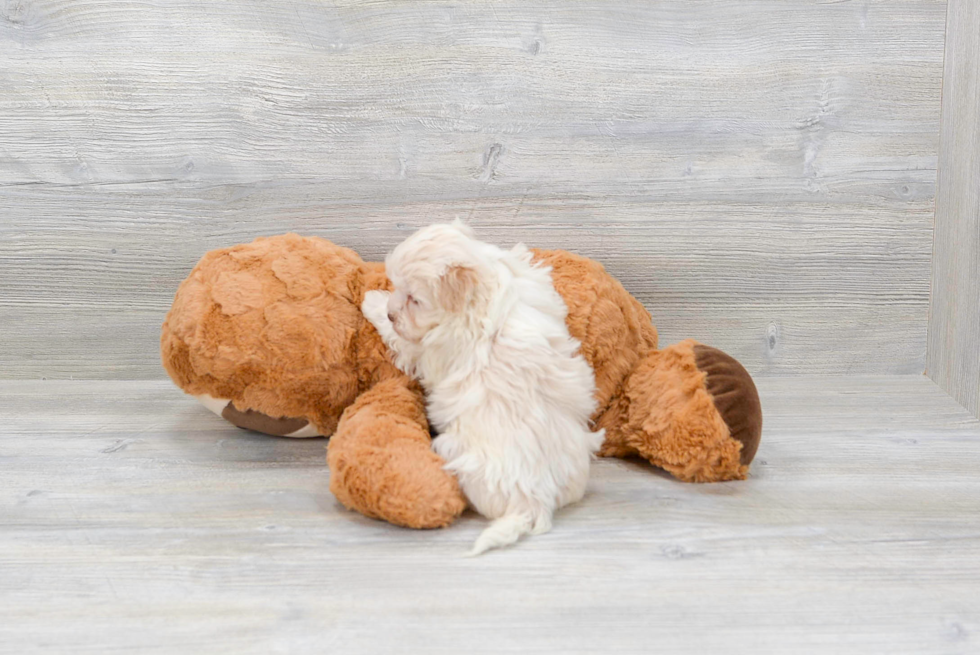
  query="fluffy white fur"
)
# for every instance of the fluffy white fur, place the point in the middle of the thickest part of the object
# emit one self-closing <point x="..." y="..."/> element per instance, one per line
<point x="484" y="330"/>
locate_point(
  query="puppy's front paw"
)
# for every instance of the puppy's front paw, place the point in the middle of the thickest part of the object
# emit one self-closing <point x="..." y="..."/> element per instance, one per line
<point x="375" y="307"/>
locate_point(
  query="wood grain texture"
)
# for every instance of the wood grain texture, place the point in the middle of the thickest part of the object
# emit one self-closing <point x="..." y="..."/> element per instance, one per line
<point x="953" y="359"/>
<point x="760" y="174"/>
<point x="133" y="520"/>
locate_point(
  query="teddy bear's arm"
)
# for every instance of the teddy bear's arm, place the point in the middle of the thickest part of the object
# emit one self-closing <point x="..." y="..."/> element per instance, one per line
<point x="381" y="460"/>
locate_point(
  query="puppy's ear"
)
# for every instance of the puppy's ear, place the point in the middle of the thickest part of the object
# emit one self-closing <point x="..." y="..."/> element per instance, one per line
<point x="463" y="227"/>
<point x="456" y="286"/>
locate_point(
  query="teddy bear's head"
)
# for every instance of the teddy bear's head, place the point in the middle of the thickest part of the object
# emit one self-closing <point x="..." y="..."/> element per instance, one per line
<point x="268" y="334"/>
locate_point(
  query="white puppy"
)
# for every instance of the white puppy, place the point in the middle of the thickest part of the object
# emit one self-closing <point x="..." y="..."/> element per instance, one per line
<point x="484" y="331"/>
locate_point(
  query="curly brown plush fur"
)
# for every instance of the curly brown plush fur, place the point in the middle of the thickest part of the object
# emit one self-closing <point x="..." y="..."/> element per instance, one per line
<point x="272" y="332"/>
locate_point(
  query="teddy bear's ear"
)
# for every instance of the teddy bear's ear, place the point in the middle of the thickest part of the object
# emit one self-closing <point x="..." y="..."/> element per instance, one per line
<point x="456" y="287"/>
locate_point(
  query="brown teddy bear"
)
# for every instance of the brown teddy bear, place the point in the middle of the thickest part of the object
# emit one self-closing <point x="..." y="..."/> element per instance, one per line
<point x="270" y="336"/>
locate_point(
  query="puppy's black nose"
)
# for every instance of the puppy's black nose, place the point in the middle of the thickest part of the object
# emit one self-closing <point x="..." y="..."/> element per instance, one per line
<point x="391" y="317"/>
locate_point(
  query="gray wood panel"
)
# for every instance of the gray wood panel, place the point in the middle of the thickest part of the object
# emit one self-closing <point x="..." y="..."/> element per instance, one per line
<point x="133" y="520"/>
<point x="954" y="325"/>
<point x="760" y="174"/>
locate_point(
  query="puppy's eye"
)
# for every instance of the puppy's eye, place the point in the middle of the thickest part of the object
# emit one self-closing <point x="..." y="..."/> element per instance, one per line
<point x="412" y="300"/>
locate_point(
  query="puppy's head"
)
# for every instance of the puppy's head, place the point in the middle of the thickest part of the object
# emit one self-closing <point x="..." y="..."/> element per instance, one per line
<point x="439" y="272"/>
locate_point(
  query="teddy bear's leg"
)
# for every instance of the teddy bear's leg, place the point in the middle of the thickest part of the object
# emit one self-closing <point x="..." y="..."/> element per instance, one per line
<point x="689" y="409"/>
<point x="381" y="460"/>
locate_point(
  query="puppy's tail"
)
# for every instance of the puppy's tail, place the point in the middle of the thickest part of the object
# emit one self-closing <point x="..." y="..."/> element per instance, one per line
<point x="503" y="532"/>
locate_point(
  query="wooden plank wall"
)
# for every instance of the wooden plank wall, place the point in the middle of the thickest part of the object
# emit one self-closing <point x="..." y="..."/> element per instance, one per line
<point x="954" y="324"/>
<point x="760" y="173"/>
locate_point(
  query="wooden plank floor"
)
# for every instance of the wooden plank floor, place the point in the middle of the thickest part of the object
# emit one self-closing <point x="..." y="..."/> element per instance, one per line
<point x="132" y="520"/>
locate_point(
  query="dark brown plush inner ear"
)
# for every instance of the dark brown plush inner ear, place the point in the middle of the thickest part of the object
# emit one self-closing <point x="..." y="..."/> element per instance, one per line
<point x="456" y="286"/>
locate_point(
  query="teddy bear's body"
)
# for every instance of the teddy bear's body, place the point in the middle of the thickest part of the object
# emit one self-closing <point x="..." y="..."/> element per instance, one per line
<point x="270" y="335"/>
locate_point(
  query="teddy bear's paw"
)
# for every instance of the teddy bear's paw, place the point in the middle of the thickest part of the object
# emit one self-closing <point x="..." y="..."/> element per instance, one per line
<point x="734" y="395"/>
<point x="694" y="411"/>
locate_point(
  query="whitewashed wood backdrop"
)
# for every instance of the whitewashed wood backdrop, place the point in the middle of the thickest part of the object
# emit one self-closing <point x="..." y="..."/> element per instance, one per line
<point x="954" y="321"/>
<point x="761" y="173"/>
